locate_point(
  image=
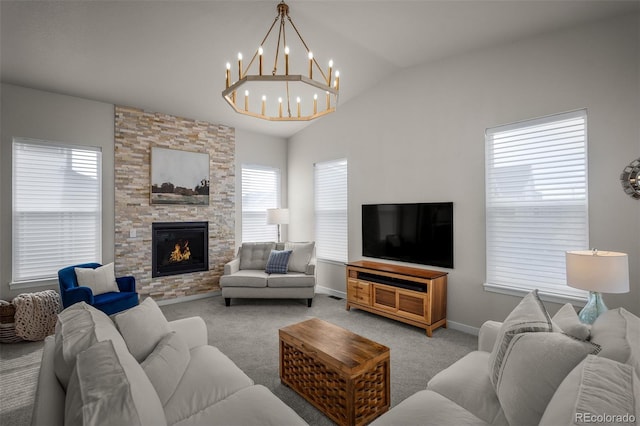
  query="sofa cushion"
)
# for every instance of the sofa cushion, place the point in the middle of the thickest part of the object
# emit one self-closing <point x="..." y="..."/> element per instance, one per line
<point x="529" y="316"/>
<point x="255" y="255"/>
<point x="618" y="332"/>
<point x="251" y="406"/>
<point x="567" y="319"/>
<point x="245" y="278"/>
<point x="291" y="280"/>
<point x="109" y="388"/>
<point x="466" y="382"/>
<point x="210" y="377"/>
<point x="533" y="367"/>
<point x="100" y="280"/>
<point x="300" y="256"/>
<point x="78" y="328"/>
<point x="166" y="365"/>
<point x="278" y="262"/>
<point x="596" y="387"/>
<point x="427" y="408"/>
<point x="142" y="327"/>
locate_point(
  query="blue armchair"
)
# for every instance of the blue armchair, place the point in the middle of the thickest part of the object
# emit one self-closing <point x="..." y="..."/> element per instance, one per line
<point x="109" y="303"/>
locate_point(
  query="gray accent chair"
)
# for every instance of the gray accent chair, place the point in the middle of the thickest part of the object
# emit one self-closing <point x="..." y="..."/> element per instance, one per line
<point x="245" y="277"/>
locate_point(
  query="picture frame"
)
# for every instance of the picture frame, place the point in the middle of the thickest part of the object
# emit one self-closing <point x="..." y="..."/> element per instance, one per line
<point x="179" y="177"/>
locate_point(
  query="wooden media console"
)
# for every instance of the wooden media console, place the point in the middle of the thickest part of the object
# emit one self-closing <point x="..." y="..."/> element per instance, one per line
<point x="411" y="295"/>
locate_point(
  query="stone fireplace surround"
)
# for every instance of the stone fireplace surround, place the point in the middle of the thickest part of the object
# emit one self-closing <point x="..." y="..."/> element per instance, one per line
<point x="136" y="131"/>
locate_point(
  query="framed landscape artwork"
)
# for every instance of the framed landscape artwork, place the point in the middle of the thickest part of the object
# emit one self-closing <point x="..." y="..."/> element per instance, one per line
<point x="179" y="177"/>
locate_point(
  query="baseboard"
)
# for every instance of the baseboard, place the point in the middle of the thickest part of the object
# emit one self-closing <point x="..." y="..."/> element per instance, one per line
<point x="188" y="298"/>
<point x="331" y="292"/>
<point x="463" y="327"/>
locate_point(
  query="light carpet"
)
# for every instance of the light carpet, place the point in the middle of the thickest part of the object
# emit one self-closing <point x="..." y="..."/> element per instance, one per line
<point x="247" y="332"/>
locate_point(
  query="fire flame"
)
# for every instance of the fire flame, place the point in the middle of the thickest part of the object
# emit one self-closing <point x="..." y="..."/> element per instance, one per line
<point x="180" y="252"/>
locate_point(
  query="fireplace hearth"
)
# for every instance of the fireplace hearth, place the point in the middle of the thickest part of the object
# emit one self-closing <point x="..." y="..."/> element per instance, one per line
<point x="179" y="248"/>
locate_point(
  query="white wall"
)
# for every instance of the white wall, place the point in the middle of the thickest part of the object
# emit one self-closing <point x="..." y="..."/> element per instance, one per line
<point x="44" y="115"/>
<point x="264" y="150"/>
<point x="419" y="137"/>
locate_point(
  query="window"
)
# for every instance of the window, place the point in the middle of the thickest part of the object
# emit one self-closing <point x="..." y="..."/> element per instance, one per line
<point x="331" y="210"/>
<point x="57" y="208"/>
<point x="536" y="202"/>
<point x="260" y="191"/>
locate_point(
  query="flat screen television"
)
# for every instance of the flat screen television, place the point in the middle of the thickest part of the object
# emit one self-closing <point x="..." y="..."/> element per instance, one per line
<point x="411" y="232"/>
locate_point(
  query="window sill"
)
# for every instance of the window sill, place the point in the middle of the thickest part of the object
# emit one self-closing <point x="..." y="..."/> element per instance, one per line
<point x="44" y="282"/>
<point x="547" y="295"/>
<point x="331" y="262"/>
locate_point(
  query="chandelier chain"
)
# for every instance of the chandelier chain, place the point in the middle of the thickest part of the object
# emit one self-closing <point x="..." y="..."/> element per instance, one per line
<point x="307" y="47"/>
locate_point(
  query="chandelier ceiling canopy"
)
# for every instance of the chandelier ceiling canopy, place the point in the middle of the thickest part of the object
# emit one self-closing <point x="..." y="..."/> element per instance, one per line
<point x="297" y="88"/>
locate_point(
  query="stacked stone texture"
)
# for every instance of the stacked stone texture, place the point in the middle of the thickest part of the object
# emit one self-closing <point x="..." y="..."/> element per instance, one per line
<point x="136" y="132"/>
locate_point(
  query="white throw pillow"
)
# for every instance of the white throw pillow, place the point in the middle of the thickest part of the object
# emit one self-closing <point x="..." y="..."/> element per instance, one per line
<point x="100" y="280"/>
<point x="110" y="388"/>
<point x="165" y="366"/>
<point x="300" y="256"/>
<point x="78" y="328"/>
<point x="567" y="319"/>
<point x="596" y="387"/>
<point x="618" y="332"/>
<point x="529" y="316"/>
<point x="142" y="327"/>
<point x="533" y="367"/>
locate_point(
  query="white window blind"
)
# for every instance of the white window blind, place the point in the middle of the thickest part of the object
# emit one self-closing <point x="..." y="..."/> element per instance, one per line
<point x="57" y="208"/>
<point x="260" y="191"/>
<point x="331" y="210"/>
<point x="536" y="201"/>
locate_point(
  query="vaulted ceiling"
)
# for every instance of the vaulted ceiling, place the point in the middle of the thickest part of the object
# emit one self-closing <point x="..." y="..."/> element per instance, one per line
<point x="170" y="56"/>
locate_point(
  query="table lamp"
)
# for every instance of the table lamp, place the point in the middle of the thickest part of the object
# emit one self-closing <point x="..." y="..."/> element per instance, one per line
<point x="597" y="271"/>
<point x="278" y="217"/>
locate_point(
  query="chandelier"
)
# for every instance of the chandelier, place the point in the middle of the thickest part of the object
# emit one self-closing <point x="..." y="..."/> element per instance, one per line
<point x="288" y="92"/>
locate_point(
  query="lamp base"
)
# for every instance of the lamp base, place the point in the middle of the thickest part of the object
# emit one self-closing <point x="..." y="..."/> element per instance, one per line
<point x="594" y="307"/>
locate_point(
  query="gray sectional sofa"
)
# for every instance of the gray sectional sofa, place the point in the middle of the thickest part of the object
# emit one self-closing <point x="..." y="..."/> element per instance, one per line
<point x="245" y="276"/>
<point x="140" y="369"/>
<point x="547" y="372"/>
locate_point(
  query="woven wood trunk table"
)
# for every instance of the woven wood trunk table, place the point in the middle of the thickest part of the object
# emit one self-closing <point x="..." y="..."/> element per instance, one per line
<point x="344" y="375"/>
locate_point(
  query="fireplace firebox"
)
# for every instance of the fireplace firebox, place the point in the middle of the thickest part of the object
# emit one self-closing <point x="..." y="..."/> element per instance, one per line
<point x="179" y="248"/>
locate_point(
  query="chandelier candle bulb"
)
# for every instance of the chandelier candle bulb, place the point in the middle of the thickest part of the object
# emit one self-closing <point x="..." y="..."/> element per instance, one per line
<point x="228" y="75"/>
<point x="298" y="101"/>
<point x="286" y="60"/>
<point x="311" y="65"/>
<point x="280" y="107"/>
<point x="328" y="101"/>
<point x="260" y="52"/>
<point x="264" y="104"/>
<point x="246" y="100"/>
<point x="337" y="84"/>
<point x="315" y="104"/>
<point x="239" y="66"/>
<point x="330" y="70"/>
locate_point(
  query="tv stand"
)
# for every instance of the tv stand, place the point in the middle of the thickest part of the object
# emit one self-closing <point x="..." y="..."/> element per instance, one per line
<point x="412" y="295"/>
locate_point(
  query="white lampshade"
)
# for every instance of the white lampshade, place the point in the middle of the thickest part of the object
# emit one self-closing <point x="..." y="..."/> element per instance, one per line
<point x="601" y="271"/>
<point x="277" y="216"/>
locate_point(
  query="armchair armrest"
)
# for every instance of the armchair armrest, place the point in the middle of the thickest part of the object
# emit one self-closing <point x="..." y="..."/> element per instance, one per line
<point x="488" y="335"/>
<point x="232" y="266"/>
<point x="77" y="294"/>
<point x="311" y="267"/>
<point x="126" y="284"/>
<point x="193" y="330"/>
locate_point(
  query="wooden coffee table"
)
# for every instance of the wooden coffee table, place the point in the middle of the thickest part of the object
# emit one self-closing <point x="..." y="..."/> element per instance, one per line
<point x="344" y="375"/>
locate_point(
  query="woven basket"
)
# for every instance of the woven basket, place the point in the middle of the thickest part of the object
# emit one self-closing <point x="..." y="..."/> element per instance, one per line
<point x="7" y="323"/>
